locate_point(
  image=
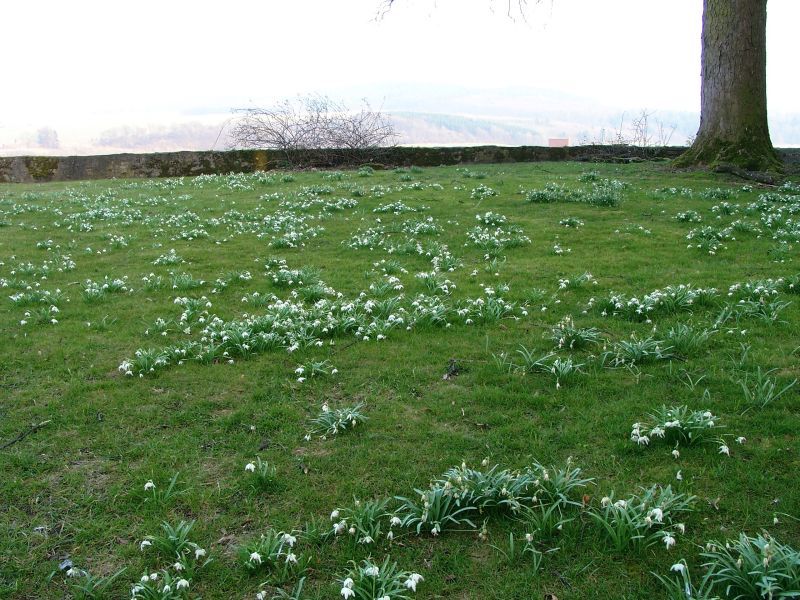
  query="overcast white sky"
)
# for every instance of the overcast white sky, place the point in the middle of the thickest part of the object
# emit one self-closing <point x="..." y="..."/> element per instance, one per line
<point x="82" y="63"/>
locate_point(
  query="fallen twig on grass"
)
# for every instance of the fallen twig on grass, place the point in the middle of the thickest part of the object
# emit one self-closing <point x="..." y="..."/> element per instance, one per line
<point x="24" y="434"/>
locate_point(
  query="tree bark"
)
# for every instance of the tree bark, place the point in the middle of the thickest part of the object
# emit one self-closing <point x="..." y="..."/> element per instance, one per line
<point x="733" y="111"/>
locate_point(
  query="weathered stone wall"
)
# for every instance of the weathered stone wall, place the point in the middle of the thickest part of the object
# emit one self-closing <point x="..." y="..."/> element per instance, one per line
<point x="27" y="169"/>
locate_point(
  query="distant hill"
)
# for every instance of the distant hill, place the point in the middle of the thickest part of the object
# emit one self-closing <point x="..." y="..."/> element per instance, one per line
<point x="423" y="115"/>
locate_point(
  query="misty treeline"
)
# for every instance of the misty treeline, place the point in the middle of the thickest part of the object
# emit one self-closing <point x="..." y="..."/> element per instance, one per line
<point x="179" y="136"/>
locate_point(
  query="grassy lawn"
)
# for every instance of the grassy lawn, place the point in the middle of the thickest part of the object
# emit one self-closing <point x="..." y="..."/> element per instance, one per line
<point x="514" y="319"/>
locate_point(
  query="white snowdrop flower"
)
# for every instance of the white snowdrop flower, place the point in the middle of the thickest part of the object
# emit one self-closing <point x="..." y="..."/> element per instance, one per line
<point x="657" y="514"/>
<point x="289" y="539"/>
<point x="679" y="476"/>
<point x="291" y="558"/>
<point x="199" y="553"/>
<point x="144" y="544"/>
<point x="678" y="567"/>
<point x="255" y="557"/>
<point x="250" y="467"/>
<point x="669" y="541"/>
<point x="301" y="379"/>
<point x="681" y="527"/>
<point x="413" y="580"/>
<point x="334" y="515"/>
<point x="676" y="454"/>
<point x="182" y="584"/>
<point x="149" y="485"/>
<point x="372" y="571"/>
<point x="347" y="593"/>
<point x="348" y="583"/>
<point x="605" y="501"/>
<point x="74" y="572"/>
<point x="390" y="535"/>
<point x="395" y="521"/>
<point x="529" y="537"/>
<point x="351" y="531"/>
<point x="261" y="595"/>
<point x="723" y="449"/>
<point x="741" y="439"/>
<point x="178" y="566"/>
<point x="775" y="520"/>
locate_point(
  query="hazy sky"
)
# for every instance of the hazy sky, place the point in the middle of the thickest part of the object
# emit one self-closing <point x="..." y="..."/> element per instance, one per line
<point x="86" y="62"/>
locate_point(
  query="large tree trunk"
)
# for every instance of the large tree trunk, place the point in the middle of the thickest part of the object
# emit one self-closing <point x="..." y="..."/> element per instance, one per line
<point x="733" y="113"/>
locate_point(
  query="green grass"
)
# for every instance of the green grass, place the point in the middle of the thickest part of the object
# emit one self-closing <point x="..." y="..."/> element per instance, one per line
<point x="74" y="488"/>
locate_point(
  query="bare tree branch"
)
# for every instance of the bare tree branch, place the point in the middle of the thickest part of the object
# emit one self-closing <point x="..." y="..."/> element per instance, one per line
<point x="512" y="7"/>
<point x="32" y="429"/>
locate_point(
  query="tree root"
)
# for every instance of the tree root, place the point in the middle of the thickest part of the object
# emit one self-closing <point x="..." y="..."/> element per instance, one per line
<point x="764" y="177"/>
<point x="748" y="155"/>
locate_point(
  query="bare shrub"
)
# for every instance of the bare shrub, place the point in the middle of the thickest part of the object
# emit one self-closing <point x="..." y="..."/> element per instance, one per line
<point x="315" y="130"/>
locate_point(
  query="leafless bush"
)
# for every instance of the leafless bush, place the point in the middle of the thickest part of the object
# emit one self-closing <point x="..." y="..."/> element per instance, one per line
<point x="639" y="134"/>
<point x="315" y="130"/>
<point x="642" y="136"/>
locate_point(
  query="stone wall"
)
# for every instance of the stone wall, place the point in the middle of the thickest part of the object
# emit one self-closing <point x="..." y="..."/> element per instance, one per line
<point x="27" y="169"/>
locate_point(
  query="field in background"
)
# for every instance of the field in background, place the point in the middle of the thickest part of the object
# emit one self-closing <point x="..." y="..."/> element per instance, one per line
<point x="186" y="328"/>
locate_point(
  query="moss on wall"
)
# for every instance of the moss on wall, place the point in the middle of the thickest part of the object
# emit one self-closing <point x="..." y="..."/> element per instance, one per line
<point x="41" y="168"/>
<point x="260" y="161"/>
<point x="6" y="165"/>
